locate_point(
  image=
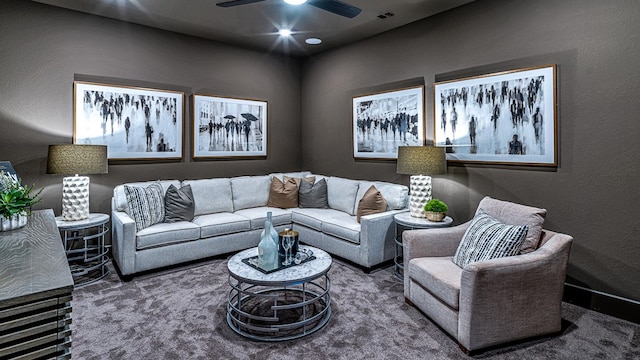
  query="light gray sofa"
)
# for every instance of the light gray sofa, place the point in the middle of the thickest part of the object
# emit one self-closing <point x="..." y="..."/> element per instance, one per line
<point x="230" y="215"/>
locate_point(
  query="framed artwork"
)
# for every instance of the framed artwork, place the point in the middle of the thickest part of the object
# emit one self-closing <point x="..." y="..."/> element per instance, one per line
<point x="135" y="123"/>
<point x="228" y="128"/>
<point x="384" y="121"/>
<point x="500" y="118"/>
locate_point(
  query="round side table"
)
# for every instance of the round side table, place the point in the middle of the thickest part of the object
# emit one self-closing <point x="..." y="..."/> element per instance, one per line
<point x="404" y="221"/>
<point x="83" y="242"/>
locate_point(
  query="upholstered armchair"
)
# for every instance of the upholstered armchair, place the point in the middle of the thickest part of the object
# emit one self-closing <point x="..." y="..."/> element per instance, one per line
<point x="489" y="302"/>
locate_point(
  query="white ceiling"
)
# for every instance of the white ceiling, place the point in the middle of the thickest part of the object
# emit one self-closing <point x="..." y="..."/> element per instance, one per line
<point x="256" y="25"/>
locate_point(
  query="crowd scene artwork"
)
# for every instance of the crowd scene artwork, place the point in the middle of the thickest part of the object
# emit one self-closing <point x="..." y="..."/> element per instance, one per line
<point x="384" y="121"/>
<point x="227" y="127"/>
<point x="134" y="123"/>
<point x="505" y="117"/>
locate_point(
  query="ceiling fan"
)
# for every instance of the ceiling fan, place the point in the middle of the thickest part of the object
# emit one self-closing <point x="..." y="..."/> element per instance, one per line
<point x="333" y="6"/>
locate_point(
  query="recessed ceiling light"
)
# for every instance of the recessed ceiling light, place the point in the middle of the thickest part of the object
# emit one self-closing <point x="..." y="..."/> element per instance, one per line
<point x="313" y="41"/>
<point x="284" y="32"/>
<point x="295" y="2"/>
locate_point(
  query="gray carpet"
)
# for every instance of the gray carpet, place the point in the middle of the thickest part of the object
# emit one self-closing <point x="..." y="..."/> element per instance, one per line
<point x="181" y="314"/>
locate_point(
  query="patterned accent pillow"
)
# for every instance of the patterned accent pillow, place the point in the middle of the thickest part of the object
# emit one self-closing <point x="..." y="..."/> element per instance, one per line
<point x="146" y="205"/>
<point x="487" y="238"/>
<point x="371" y="203"/>
<point x="313" y="195"/>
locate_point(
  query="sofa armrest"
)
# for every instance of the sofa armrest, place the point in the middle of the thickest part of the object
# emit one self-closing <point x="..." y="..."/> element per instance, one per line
<point x="377" y="235"/>
<point x="514" y="297"/>
<point x="123" y="239"/>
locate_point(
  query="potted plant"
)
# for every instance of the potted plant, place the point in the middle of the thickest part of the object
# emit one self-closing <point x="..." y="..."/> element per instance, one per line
<point x="15" y="202"/>
<point x="435" y="210"/>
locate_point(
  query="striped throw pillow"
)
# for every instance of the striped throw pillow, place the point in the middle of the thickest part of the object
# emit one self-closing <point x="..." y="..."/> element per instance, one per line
<point x="146" y="205"/>
<point x="487" y="238"/>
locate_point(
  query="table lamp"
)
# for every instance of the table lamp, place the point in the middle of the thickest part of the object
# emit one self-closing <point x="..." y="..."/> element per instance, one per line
<point x="74" y="159"/>
<point x="417" y="161"/>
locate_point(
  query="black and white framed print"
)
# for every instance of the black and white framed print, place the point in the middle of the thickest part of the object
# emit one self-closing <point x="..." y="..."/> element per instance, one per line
<point x="500" y="118"/>
<point x="225" y="127"/>
<point x="384" y="121"/>
<point x="135" y="123"/>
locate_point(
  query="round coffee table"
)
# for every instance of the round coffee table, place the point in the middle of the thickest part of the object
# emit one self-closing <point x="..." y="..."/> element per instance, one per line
<point x="286" y="304"/>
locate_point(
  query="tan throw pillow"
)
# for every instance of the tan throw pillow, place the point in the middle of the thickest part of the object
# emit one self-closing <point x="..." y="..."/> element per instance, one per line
<point x="309" y="179"/>
<point x="283" y="194"/>
<point x="371" y="203"/>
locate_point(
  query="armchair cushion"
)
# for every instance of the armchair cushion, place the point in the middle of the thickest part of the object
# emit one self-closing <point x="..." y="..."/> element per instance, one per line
<point x="441" y="276"/>
<point x="487" y="238"/>
<point x="517" y="214"/>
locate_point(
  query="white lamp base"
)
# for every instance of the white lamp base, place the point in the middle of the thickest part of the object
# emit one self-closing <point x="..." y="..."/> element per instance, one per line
<point x="420" y="193"/>
<point x="75" y="198"/>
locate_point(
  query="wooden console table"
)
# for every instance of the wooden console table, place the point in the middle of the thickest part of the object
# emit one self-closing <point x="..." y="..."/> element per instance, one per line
<point x="35" y="291"/>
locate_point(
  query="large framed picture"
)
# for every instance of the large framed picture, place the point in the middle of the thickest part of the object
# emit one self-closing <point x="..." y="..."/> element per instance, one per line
<point x="135" y="123"/>
<point x="384" y="121"/>
<point x="229" y="128"/>
<point x="500" y="118"/>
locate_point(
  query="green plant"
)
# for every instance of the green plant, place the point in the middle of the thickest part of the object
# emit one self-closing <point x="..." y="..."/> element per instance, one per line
<point x="435" y="205"/>
<point x="15" y="198"/>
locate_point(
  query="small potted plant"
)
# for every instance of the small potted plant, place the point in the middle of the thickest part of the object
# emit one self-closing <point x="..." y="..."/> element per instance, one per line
<point x="15" y="202"/>
<point x="435" y="210"/>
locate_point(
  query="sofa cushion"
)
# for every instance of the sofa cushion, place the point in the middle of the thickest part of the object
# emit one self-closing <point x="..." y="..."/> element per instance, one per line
<point x="178" y="204"/>
<point x="517" y="214"/>
<point x="343" y="226"/>
<point x="258" y="215"/>
<point x="487" y="238"/>
<point x="283" y="195"/>
<point x="120" y="198"/>
<point x="397" y="196"/>
<point x="341" y="194"/>
<point x="145" y="204"/>
<point x="295" y="174"/>
<point x="440" y="275"/>
<point x="211" y="195"/>
<point x="312" y="218"/>
<point x="371" y="203"/>
<point x="167" y="233"/>
<point x="250" y="191"/>
<point x="299" y="180"/>
<point x="221" y="224"/>
<point x="313" y="195"/>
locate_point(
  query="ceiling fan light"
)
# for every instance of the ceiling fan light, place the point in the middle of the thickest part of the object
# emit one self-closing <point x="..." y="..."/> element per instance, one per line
<point x="295" y="2"/>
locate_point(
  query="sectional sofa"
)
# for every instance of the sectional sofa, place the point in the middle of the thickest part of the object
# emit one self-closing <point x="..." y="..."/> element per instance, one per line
<point x="229" y="215"/>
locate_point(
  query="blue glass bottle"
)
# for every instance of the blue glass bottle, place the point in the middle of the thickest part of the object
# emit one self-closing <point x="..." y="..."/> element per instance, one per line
<point x="267" y="249"/>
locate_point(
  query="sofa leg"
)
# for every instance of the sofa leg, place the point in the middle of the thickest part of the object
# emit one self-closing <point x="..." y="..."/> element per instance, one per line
<point x="409" y="302"/>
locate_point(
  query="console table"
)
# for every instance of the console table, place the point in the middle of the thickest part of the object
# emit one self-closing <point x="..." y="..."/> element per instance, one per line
<point x="35" y="291"/>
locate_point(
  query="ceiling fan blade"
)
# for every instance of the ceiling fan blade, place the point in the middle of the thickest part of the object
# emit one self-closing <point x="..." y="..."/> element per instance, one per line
<point x="336" y="7"/>
<point x="237" y="2"/>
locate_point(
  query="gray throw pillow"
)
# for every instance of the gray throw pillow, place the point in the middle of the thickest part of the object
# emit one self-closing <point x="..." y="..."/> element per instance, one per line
<point x="178" y="204"/>
<point x="313" y="195"/>
<point x="146" y="205"/>
<point x="487" y="238"/>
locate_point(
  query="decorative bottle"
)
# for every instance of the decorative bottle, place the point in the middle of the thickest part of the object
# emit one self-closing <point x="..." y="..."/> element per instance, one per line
<point x="267" y="249"/>
<point x="272" y="231"/>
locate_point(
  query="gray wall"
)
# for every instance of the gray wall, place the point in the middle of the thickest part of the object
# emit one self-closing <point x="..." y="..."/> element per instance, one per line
<point x="44" y="49"/>
<point x="593" y="194"/>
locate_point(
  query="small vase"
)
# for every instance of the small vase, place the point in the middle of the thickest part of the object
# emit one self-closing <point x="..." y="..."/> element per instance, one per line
<point x="15" y="222"/>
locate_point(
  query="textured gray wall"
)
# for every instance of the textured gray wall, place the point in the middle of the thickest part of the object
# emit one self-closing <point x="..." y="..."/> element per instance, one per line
<point x="593" y="194"/>
<point x="44" y="49"/>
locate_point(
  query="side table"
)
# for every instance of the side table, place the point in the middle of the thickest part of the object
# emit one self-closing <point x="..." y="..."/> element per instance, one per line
<point x="404" y="221"/>
<point x="83" y="242"/>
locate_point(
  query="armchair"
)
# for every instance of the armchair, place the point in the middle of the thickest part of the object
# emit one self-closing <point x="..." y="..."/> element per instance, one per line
<point x="488" y="302"/>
